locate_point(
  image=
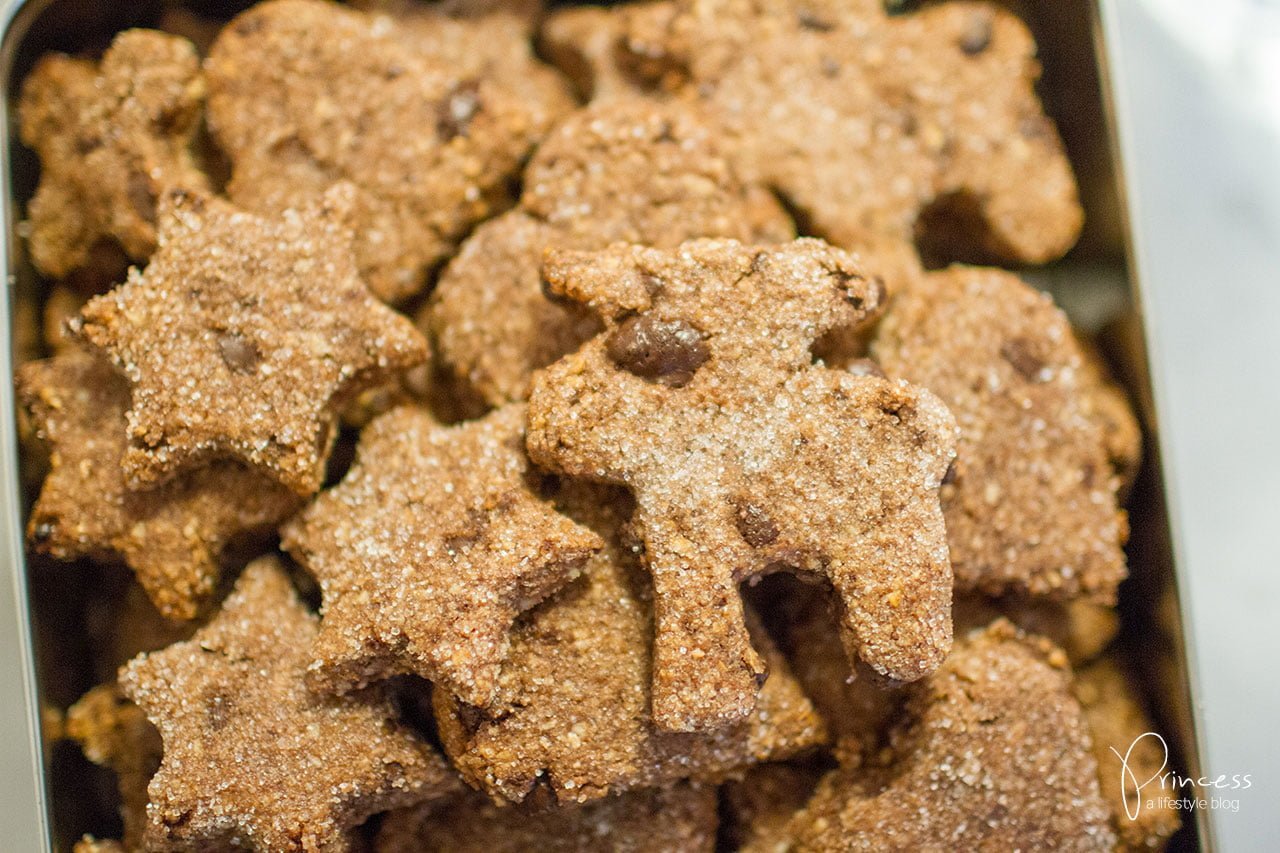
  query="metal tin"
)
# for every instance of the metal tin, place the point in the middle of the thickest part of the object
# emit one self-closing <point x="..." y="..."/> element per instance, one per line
<point x="1093" y="286"/>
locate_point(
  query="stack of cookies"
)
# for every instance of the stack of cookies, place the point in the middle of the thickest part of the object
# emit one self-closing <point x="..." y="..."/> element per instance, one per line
<point x="603" y="455"/>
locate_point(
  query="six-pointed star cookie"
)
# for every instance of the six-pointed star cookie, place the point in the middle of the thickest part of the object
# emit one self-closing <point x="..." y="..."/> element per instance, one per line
<point x="171" y="536"/>
<point x="429" y="549"/>
<point x="744" y="457"/>
<point x="242" y="335"/>
<point x="251" y="755"/>
<point x="865" y="121"/>
<point x="111" y="138"/>
<point x="304" y="93"/>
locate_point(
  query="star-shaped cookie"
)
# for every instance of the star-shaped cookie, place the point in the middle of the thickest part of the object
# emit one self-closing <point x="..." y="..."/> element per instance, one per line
<point x="744" y="457"/>
<point x="251" y="756"/>
<point x="304" y="93"/>
<point x="172" y="535"/>
<point x="242" y="335"/>
<point x="111" y="137"/>
<point x="869" y="124"/>
<point x="428" y="550"/>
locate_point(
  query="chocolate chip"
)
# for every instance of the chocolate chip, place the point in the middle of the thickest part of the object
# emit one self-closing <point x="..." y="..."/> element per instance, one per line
<point x="247" y="26"/>
<point x="141" y="197"/>
<point x="239" y="353"/>
<point x="755" y="525"/>
<point x="865" y="367"/>
<point x="458" y="109"/>
<point x="666" y="351"/>
<point x="217" y="711"/>
<point x="811" y="20"/>
<point x="1018" y="353"/>
<point x="977" y="34"/>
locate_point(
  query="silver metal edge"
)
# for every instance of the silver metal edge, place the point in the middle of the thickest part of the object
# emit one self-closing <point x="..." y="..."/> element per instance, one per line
<point x="1116" y="96"/>
<point x="24" y="813"/>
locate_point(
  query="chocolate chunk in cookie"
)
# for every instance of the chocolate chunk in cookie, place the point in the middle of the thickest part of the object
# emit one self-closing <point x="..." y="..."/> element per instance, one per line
<point x="241" y="337"/>
<point x="251" y="756"/>
<point x="844" y="468"/>
<point x="304" y="93"/>
<point x="1032" y="506"/>
<point x="172" y="535"/>
<point x="428" y="550"/>
<point x="573" y="712"/>
<point x="628" y="170"/>
<point x="112" y="137"/>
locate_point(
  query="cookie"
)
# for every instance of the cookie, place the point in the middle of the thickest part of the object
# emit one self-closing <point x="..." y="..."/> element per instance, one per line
<point x="745" y="458"/>
<point x="171" y="536"/>
<point x="628" y="171"/>
<point x="573" y="715"/>
<point x="485" y="39"/>
<point x="584" y="42"/>
<point x="1081" y="628"/>
<point x="1031" y="504"/>
<point x="1117" y="720"/>
<point x="992" y="753"/>
<point x="870" y="124"/>
<point x="428" y="550"/>
<point x="114" y="733"/>
<point x="305" y="93"/>
<point x="112" y="137"/>
<point x="251" y="756"/>
<point x="242" y="336"/>
<point x="681" y="818"/>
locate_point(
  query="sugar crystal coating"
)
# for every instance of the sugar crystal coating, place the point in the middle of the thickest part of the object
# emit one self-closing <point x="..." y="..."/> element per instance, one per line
<point x="242" y="335"/>
<point x="251" y="756"/>
<point x="844" y="469"/>
<point x="428" y="550"/>
<point x="171" y="535"/>
<point x="112" y="137"/>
